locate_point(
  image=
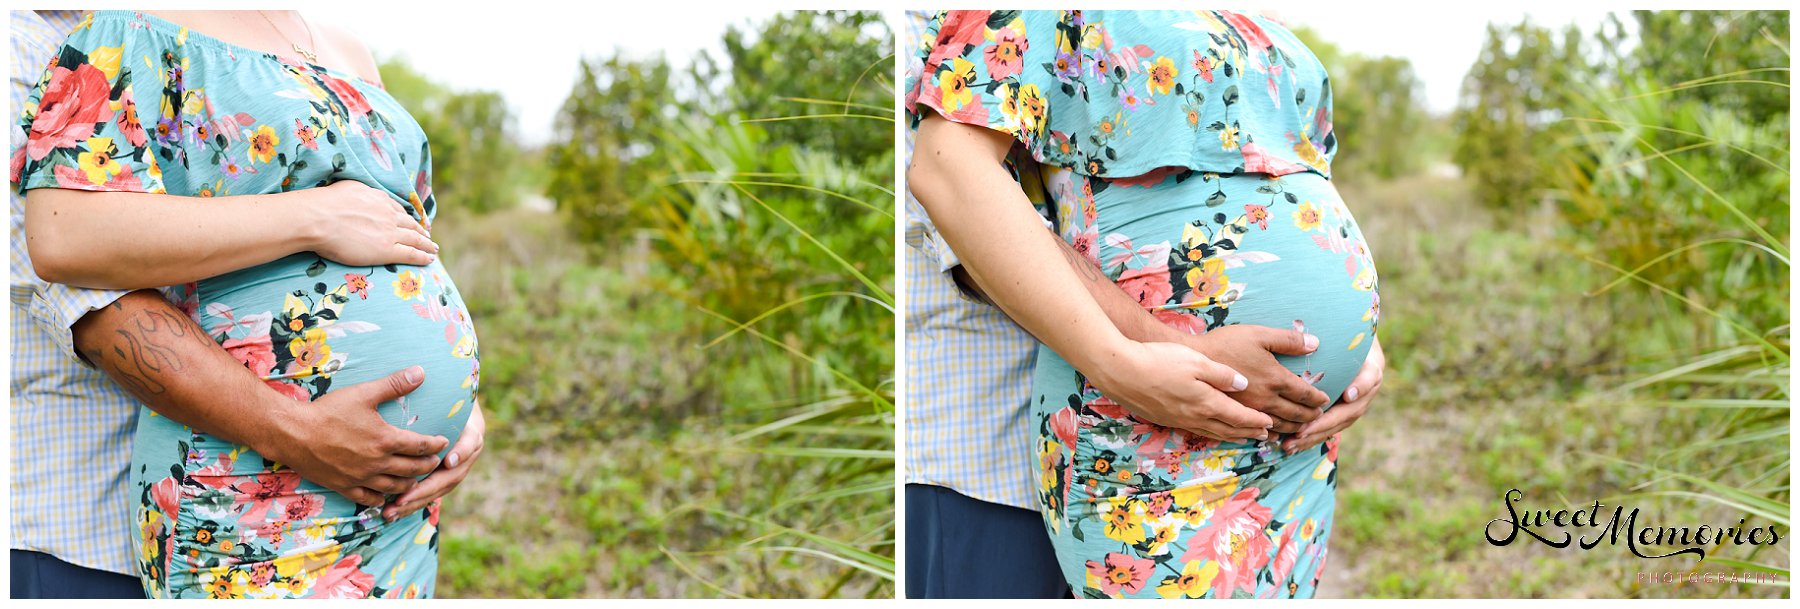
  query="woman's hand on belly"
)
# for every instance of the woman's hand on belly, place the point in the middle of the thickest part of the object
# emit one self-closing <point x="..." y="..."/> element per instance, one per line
<point x="1274" y="389"/>
<point x="1156" y="382"/>
<point x="448" y="475"/>
<point x="1353" y="405"/>
<point x="358" y="225"/>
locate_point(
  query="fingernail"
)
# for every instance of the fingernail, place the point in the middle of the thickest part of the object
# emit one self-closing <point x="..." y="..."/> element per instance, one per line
<point x="1238" y="382"/>
<point x="415" y="374"/>
<point x="1312" y="342"/>
<point x="1350" y="395"/>
<point x="452" y="460"/>
<point x="388" y="515"/>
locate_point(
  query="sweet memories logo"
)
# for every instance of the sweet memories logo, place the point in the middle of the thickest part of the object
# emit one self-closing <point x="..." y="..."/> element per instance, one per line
<point x="1552" y="528"/>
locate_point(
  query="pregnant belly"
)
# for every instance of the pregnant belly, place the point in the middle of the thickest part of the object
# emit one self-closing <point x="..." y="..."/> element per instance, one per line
<point x="309" y="326"/>
<point x="1282" y="253"/>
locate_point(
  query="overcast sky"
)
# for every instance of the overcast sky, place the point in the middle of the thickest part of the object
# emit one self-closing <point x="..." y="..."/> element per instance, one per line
<point x="1440" y="54"/>
<point x="535" y="71"/>
<point x="531" y="57"/>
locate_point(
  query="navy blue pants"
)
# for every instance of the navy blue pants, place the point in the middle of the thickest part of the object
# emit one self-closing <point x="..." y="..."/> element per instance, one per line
<point x="40" y="575"/>
<point x="958" y="547"/>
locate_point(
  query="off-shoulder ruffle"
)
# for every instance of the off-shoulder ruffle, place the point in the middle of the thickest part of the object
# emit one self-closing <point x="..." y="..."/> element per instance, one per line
<point x="1118" y="94"/>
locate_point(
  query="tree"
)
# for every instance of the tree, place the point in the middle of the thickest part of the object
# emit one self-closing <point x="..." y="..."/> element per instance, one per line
<point x="829" y="56"/>
<point x="473" y="149"/>
<point x="1378" y="111"/>
<point x="1515" y="90"/>
<point x="603" y="156"/>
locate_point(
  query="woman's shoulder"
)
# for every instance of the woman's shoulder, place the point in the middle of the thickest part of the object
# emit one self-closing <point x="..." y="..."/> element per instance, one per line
<point x="352" y="56"/>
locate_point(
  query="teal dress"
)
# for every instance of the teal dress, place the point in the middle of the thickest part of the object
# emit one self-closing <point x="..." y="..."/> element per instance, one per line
<point x="1187" y="155"/>
<point x="133" y="103"/>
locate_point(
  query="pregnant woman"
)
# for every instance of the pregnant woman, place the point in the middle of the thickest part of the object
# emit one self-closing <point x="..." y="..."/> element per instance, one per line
<point x="1186" y="155"/>
<point x="136" y="105"/>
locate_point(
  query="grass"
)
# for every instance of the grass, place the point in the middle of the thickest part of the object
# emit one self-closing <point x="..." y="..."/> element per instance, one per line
<point x="604" y="473"/>
<point x="1503" y="374"/>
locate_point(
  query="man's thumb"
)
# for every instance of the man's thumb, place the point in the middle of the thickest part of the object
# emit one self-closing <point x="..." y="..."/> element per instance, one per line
<point x="1288" y="342"/>
<point x="398" y="384"/>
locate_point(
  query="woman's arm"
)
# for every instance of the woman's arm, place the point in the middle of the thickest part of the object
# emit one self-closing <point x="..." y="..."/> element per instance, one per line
<point x="1250" y="350"/>
<point x="956" y="174"/>
<point x="127" y="241"/>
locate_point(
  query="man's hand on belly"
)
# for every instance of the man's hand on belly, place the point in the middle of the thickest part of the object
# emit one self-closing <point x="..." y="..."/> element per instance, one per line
<point x="339" y="441"/>
<point x="159" y="355"/>
<point x="1274" y="389"/>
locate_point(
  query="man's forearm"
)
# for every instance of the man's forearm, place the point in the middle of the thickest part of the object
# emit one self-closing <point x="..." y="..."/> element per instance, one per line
<point x="1126" y="314"/>
<point x="166" y="361"/>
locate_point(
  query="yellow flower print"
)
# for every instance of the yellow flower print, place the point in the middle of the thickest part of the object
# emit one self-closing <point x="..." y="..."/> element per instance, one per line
<point x="412" y="198"/>
<point x="1228" y="137"/>
<point x="295" y="564"/>
<point x="1092" y="36"/>
<point x="1162" y="534"/>
<point x="1009" y="102"/>
<point x="1047" y="456"/>
<point x="149" y="523"/>
<point x="262" y="144"/>
<point x="1309" y="155"/>
<point x="155" y="172"/>
<point x="1308" y="216"/>
<point x="293" y="306"/>
<point x="1365" y="281"/>
<point x="407" y="286"/>
<point x="1208" y="280"/>
<point x="1031" y="108"/>
<point x="319" y="530"/>
<point x="310" y="350"/>
<point x="1162" y="75"/>
<point x="1306" y="530"/>
<point x="1199" y="500"/>
<point x="1323" y="470"/>
<point x="954" y="84"/>
<point x="195" y="100"/>
<point x="108" y="60"/>
<point x="98" y="161"/>
<point x="1193" y="582"/>
<point x="1125" y="520"/>
<point x="222" y="586"/>
<point x="296" y="586"/>
<point x="465" y="347"/>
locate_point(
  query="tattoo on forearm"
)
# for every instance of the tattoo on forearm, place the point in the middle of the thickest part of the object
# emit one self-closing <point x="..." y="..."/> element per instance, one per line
<point x="142" y="353"/>
<point x="1082" y="265"/>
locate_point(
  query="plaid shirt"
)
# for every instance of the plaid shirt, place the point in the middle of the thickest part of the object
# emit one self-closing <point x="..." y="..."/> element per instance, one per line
<point x="71" y="425"/>
<point x="968" y="366"/>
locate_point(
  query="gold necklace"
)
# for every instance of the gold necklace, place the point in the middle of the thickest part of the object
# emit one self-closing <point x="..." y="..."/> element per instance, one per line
<point x="310" y="39"/>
